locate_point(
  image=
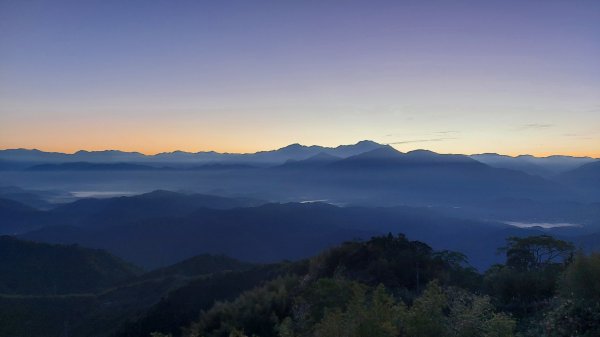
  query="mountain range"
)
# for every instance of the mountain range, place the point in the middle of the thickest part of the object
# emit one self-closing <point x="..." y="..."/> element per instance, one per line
<point x="16" y="217"/>
<point x="12" y="159"/>
<point x="381" y="176"/>
<point x="381" y="173"/>
<point x="542" y="166"/>
<point x="160" y="228"/>
<point x="194" y="243"/>
<point x="290" y="152"/>
<point x="585" y="177"/>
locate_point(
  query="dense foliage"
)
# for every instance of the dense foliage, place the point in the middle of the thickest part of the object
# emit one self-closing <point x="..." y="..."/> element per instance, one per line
<point x="43" y="269"/>
<point x="390" y="286"/>
<point x="395" y="262"/>
<point x="183" y="305"/>
<point x="528" y="280"/>
<point x="386" y="286"/>
<point x="576" y="309"/>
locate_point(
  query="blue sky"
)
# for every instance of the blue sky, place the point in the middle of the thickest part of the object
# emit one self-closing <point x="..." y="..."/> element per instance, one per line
<point x="451" y="76"/>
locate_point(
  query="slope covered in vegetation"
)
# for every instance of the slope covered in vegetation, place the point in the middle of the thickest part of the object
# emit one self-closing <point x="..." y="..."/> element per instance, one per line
<point x="44" y="269"/>
<point x="386" y="286"/>
<point x="390" y="286"/>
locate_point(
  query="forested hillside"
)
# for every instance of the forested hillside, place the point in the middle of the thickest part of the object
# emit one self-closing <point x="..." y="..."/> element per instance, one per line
<point x="31" y="268"/>
<point x="386" y="286"/>
<point x="390" y="286"/>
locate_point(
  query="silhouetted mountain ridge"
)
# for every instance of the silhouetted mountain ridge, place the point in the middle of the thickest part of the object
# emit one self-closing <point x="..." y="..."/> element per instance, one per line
<point x="39" y="268"/>
<point x="203" y="264"/>
<point x="92" y="213"/>
<point x="585" y="177"/>
<point x="272" y="232"/>
<point x="156" y="204"/>
<point x="278" y="156"/>
<point x="542" y="166"/>
<point x="387" y="156"/>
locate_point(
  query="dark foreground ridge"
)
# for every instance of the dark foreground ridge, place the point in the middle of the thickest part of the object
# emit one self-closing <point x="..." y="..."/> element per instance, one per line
<point x="386" y="286"/>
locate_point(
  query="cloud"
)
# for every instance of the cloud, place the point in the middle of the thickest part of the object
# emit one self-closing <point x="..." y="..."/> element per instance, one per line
<point x="439" y="133"/>
<point x="421" y="140"/>
<point x="536" y="126"/>
<point x="446" y="132"/>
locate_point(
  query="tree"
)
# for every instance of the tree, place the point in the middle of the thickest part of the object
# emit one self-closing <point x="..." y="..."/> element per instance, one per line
<point x="333" y="324"/>
<point x="528" y="280"/>
<point x="377" y="317"/>
<point x="581" y="278"/>
<point x="475" y="316"/>
<point x="535" y="252"/>
<point x="255" y="312"/>
<point x="576" y="309"/>
<point x="426" y="316"/>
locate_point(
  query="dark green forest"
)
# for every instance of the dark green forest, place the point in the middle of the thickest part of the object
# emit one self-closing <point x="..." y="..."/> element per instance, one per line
<point x="386" y="286"/>
<point x="390" y="286"/>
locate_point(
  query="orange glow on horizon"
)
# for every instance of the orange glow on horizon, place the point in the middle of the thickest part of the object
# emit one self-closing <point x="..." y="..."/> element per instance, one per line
<point x="249" y="149"/>
<point x="152" y="137"/>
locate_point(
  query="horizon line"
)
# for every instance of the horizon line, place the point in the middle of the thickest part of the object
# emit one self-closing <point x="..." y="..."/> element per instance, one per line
<point x="151" y="154"/>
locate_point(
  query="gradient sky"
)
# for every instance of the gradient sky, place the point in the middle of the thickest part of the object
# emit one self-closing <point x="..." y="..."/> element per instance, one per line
<point x="504" y="76"/>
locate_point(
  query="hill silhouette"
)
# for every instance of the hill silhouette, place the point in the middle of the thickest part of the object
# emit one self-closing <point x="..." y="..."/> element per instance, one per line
<point x="270" y="232"/>
<point x="44" y="269"/>
<point x="541" y="166"/>
<point x="13" y="157"/>
<point x="585" y="177"/>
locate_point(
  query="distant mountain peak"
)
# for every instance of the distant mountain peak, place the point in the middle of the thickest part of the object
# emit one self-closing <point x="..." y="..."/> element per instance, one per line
<point x="385" y="151"/>
<point x="293" y="146"/>
<point x="388" y="157"/>
<point x="421" y="152"/>
<point x="368" y="142"/>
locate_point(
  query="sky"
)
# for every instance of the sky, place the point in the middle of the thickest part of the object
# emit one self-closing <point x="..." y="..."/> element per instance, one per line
<point x="512" y="77"/>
